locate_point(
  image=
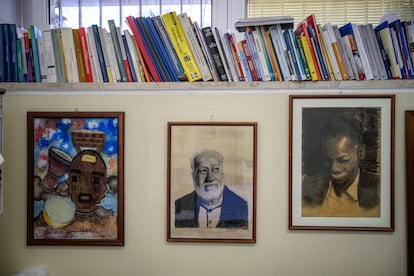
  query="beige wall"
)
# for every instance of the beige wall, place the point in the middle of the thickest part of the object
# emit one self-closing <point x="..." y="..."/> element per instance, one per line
<point x="278" y="251"/>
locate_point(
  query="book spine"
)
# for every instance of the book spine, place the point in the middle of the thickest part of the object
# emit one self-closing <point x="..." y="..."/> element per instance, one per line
<point x="309" y="59"/>
<point x="100" y="54"/>
<point x="243" y="59"/>
<point x="85" y="54"/>
<point x="124" y="55"/>
<point x="79" y="55"/>
<point x="130" y="64"/>
<point x="180" y="43"/>
<point x="194" y="46"/>
<point x="117" y="50"/>
<point x="236" y="56"/>
<point x="249" y="59"/>
<point x="214" y="53"/>
<point x="33" y="35"/>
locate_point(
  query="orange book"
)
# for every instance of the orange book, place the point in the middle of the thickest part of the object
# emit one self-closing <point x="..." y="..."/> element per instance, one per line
<point x="79" y="55"/>
<point x="272" y="55"/>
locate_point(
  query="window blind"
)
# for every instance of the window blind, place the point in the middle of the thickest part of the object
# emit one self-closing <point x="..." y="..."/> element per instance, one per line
<point x="335" y="12"/>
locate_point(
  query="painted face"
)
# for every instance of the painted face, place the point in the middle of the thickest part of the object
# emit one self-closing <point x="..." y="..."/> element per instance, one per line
<point x="208" y="176"/>
<point x="344" y="157"/>
<point x="87" y="180"/>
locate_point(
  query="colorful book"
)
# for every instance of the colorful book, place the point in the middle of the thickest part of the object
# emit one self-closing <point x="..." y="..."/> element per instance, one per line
<point x="180" y="43"/>
<point x="79" y="55"/>
<point x="302" y="30"/>
<point x="85" y="54"/>
<point x="147" y="62"/>
<point x="34" y="34"/>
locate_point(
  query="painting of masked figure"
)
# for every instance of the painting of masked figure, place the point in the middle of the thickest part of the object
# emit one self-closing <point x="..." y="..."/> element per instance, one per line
<point x="75" y="178"/>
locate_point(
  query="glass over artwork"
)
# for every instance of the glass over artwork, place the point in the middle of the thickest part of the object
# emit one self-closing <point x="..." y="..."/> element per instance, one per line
<point x="75" y="181"/>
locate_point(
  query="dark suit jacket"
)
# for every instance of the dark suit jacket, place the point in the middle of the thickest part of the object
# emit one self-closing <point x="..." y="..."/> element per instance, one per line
<point x="234" y="211"/>
<point x="315" y="189"/>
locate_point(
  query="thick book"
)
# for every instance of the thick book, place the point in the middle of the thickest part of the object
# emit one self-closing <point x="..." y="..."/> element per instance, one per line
<point x="347" y="32"/>
<point x="109" y="55"/>
<point x="49" y="56"/>
<point x="79" y="55"/>
<point x="255" y="55"/>
<point x="206" y="52"/>
<point x="117" y="48"/>
<point x="378" y="59"/>
<point x="225" y="53"/>
<point x="383" y="33"/>
<point x="162" y="32"/>
<point x="147" y="62"/>
<point x="181" y="45"/>
<point x="335" y="51"/>
<point x="70" y="54"/>
<point x="195" y="47"/>
<point x="208" y="36"/>
<point x="61" y="71"/>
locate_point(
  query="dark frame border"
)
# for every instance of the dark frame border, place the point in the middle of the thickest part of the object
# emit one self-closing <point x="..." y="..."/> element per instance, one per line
<point x="409" y="157"/>
<point x="31" y="132"/>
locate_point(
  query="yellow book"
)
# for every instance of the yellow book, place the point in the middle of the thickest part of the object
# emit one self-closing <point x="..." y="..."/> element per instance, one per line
<point x="308" y="56"/>
<point x="181" y="46"/>
<point x="325" y="54"/>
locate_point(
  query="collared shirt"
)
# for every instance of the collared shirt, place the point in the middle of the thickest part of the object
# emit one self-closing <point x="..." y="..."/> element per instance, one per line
<point x="345" y="205"/>
<point x="209" y="218"/>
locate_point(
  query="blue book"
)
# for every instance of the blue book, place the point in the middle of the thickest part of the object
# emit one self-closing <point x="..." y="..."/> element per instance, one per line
<point x="318" y="50"/>
<point x="14" y="62"/>
<point x="129" y="58"/>
<point x="402" y="44"/>
<point x="178" y="68"/>
<point x="291" y="51"/>
<point x="34" y="35"/>
<point x="99" y="51"/>
<point x="7" y="51"/>
<point x="2" y="55"/>
<point x="161" y="49"/>
<point x="150" y="48"/>
<point x="255" y="56"/>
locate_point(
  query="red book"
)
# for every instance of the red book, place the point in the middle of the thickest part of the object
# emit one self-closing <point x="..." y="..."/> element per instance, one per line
<point x="234" y="52"/>
<point x="29" y="61"/>
<point x="140" y="44"/>
<point x="249" y="59"/>
<point x="85" y="52"/>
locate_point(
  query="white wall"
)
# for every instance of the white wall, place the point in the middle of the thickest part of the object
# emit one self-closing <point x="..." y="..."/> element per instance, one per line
<point x="278" y="251"/>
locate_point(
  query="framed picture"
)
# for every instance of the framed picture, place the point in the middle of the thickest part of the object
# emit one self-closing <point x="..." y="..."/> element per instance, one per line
<point x="211" y="187"/>
<point x="409" y="147"/>
<point x="341" y="162"/>
<point x="75" y="178"/>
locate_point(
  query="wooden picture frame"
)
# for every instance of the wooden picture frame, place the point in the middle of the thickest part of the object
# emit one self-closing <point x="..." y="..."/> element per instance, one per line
<point x="341" y="162"/>
<point x="75" y="178"/>
<point x="409" y="159"/>
<point x="201" y="206"/>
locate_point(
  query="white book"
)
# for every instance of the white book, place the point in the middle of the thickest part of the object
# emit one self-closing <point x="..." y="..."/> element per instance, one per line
<point x="258" y="40"/>
<point x="109" y="69"/>
<point x="331" y="53"/>
<point x="49" y="56"/>
<point x="362" y="53"/>
<point x="70" y="54"/>
<point x="377" y="52"/>
<point x="113" y="62"/>
<point x="195" y="47"/>
<point x="281" y="57"/>
<point x="133" y="54"/>
<point x="397" y="50"/>
<point x="369" y="48"/>
<point x="353" y="75"/>
<point x="42" y="59"/>
<point x="349" y="55"/>
<point x="93" y="56"/>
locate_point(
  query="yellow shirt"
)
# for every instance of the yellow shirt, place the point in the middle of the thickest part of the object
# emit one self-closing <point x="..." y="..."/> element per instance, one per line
<point x="345" y="205"/>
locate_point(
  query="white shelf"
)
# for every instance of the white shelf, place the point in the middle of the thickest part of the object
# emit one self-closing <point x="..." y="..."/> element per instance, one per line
<point x="380" y="86"/>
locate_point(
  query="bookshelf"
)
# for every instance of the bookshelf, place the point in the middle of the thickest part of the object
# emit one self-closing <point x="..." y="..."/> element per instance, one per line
<point x="365" y="86"/>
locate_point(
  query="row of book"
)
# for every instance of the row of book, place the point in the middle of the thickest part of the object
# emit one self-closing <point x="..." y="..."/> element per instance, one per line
<point x="171" y="48"/>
